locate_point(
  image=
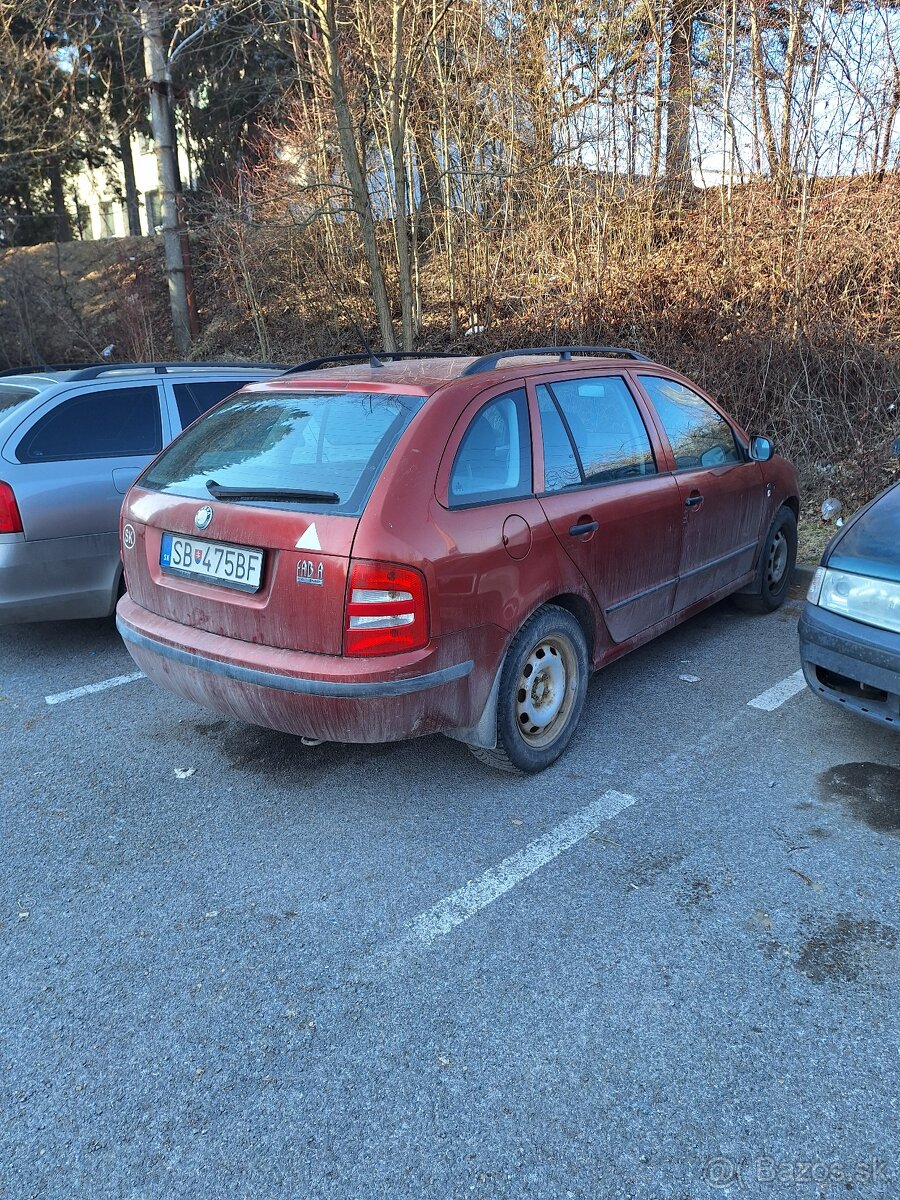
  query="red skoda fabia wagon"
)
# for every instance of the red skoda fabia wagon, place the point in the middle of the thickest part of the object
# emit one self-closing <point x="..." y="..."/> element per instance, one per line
<point x="406" y="546"/>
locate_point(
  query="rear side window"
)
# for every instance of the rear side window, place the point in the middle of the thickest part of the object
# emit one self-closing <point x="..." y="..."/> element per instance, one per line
<point x="699" y="436"/>
<point x="194" y="399"/>
<point x="114" y="423"/>
<point x="327" y="446"/>
<point x="494" y="458"/>
<point x="593" y="433"/>
<point x="10" y="396"/>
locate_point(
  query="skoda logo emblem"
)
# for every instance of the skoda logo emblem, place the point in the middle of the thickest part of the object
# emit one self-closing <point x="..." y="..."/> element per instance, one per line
<point x="203" y="517"/>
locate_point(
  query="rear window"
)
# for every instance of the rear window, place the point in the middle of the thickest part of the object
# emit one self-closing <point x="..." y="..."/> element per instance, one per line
<point x="332" y="443"/>
<point x="10" y="396"/>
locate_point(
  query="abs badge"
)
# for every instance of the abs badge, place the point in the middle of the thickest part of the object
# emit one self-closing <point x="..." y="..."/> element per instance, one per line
<point x="203" y="517"/>
<point x="310" y="572"/>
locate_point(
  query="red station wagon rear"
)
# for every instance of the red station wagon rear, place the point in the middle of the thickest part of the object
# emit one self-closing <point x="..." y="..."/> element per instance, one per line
<point x="407" y="546"/>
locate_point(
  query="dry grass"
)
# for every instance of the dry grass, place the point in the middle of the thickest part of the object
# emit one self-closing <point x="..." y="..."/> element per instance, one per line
<point x="66" y="303"/>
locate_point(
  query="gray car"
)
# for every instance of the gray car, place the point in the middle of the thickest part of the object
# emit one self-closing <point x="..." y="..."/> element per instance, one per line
<point x="71" y="444"/>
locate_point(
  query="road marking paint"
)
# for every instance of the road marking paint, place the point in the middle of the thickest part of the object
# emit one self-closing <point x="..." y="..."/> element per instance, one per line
<point x="116" y="681"/>
<point x="478" y="893"/>
<point x="777" y="695"/>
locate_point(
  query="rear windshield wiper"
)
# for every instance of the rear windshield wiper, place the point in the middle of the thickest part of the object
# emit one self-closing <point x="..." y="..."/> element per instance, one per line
<point x="246" y="493"/>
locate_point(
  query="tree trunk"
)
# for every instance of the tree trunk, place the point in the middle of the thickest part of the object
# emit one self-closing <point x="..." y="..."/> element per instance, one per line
<point x="160" y="118"/>
<point x="399" y="169"/>
<point x="883" y="156"/>
<point x="356" y="177"/>
<point x="758" y="65"/>
<point x="656" y="143"/>
<point x="678" y="126"/>
<point x="132" y="208"/>
<point x="791" y="62"/>
<point x="58" y="196"/>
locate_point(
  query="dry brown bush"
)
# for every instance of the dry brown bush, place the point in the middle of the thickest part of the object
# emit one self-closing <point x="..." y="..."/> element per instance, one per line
<point x="785" y="308"/>
<point x="66" y="302"/>
<point x="786" y="311"/>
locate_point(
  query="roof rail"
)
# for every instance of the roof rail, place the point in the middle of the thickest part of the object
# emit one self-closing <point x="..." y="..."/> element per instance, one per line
<point x="163" y="368"/>
<point x="377" y="358"/>
<point x="41" y="368"/>
<point x="487" y="362"/>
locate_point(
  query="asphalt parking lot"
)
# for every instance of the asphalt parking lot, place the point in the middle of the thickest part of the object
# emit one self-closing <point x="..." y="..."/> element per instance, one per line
<point x="237" y="966"/>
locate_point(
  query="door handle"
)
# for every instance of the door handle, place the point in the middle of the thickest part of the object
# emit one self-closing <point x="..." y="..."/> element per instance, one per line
<point x="583" y="527"/>
<point x="693" y="501"/>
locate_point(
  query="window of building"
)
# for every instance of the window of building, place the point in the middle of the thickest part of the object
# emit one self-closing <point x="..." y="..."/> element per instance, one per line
<point x="83" y="221"/>
<point x="154" y="211"/>
<point x="108" y="218"/>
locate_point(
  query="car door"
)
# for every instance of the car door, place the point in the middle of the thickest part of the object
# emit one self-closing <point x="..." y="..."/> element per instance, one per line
<point x="614" y="511"/>
<point x="78" y="456"/>
<point x="491" y="537"/>
<point x="722" y="491"/>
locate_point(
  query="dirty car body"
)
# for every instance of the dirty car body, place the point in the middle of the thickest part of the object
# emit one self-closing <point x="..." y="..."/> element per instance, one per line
<point x="414" y="526"/>
<point x="850" y="628"/>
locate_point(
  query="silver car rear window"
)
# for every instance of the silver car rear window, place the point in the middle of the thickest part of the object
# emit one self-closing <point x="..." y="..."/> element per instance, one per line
<point x="11" y="396"/>
<point x="330" y="445"/>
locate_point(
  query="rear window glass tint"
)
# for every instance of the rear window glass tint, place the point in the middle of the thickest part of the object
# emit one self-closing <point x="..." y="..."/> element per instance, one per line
<point x="194" y="399"/>
<point x="114" y="423"/>
<point x="11" y="396"/>
<point x="494" y="458"/>
<point x="314" y="441"/>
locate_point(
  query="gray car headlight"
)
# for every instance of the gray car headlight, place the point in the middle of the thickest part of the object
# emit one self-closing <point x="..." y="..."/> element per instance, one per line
<point x="872" y="601"/>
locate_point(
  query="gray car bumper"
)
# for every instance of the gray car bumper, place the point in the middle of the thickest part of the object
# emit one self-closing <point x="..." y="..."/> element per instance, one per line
<point x="851" y="664"/>
<point x="57" y="579"/>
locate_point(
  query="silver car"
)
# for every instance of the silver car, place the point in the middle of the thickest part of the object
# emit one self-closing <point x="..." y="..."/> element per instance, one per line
<point x="71" y="444"/>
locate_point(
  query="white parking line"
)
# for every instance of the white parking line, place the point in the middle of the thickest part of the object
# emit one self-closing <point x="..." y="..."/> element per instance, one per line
<point x="478" y="893"/>
<point x="776" y="696"/>
<point x="116" y="681"/>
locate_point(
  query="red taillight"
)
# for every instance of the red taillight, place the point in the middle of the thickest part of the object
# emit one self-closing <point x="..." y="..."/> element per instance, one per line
<point x="387" y="610"/>
<point x="10" y="519"/>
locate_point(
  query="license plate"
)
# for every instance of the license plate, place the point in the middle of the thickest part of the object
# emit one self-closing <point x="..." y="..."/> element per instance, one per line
<point x="216" y="562"/>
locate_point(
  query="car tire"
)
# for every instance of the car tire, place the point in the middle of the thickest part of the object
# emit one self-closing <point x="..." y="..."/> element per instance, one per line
<point x="542" y="689"/>
<point x="776" y="567"/>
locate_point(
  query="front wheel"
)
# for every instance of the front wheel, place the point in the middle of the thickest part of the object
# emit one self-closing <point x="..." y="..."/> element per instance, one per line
<point x="776" y="566"/>
<point x="542" y="689"/>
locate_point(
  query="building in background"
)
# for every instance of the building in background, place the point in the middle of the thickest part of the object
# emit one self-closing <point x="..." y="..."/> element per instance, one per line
<point x="98" y="194"/>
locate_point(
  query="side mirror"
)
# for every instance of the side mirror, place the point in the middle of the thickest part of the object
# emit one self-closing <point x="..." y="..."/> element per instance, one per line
<point x="761" y="449"/>
<point x="895" y="448"/>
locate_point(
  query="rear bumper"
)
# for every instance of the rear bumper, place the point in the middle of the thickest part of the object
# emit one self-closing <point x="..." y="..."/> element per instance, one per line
<point x="851" y="664"/>
<point x="317" y="696"/>
<point x="55" y="579"/>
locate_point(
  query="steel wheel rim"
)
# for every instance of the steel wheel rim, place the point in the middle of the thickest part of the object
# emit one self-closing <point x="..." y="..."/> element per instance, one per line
<point x="546" y="690"/>
<point x="778" y="557"/>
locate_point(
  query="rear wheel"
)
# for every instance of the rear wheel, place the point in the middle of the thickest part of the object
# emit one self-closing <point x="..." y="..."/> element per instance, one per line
<point x="776" y="566"/>
<point x="542" y="689"/>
